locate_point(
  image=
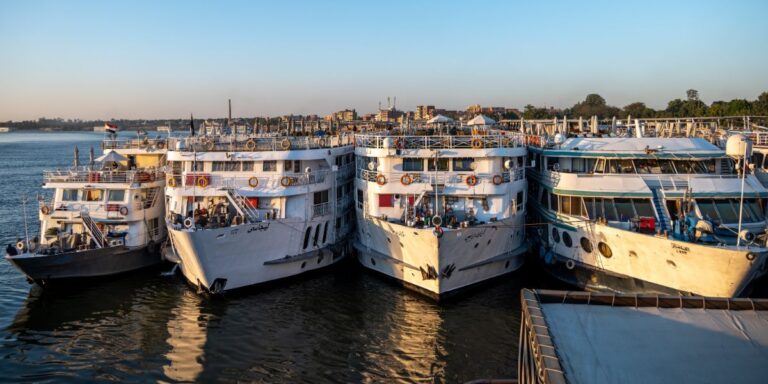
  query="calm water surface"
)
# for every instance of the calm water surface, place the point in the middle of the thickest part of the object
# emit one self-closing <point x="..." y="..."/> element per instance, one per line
<point x="344" y="325"/>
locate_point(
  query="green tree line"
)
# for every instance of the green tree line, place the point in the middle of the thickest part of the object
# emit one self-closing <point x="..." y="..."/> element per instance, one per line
<point x="595" y="105"/>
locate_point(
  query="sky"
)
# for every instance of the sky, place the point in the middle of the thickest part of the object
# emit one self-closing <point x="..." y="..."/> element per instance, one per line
<point x="167" y="59"/>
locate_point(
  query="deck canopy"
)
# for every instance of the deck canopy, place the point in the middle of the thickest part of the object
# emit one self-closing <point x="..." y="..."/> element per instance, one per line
<point x="111" y="157"/>
<point x="578" y="337"/>
<point x="439" y="119"/>
<point x="481" y="120"/>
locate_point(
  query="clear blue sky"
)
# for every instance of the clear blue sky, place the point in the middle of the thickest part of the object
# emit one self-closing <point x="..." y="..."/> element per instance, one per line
<point x="165" y="59"/>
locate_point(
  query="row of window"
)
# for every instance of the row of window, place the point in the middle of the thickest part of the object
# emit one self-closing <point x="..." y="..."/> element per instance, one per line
<point x="727" y="210"/>
<point x="618" y="209"/>
<point x="416" y="164"/>
<point x="240" y="166"/>
<point x="634" y="166"/>
<point x="94" y="195"/>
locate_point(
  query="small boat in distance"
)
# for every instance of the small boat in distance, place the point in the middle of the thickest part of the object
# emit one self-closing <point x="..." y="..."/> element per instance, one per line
<point x="103" y="219"/>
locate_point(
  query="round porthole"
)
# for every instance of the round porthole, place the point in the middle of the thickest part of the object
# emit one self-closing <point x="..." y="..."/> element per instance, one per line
<point x="555" y="235"/>
<point x="567" y="239"/>
<point x="373" y="261"/>
<point x="604" y="249"/>
<point x="586" y="245"/>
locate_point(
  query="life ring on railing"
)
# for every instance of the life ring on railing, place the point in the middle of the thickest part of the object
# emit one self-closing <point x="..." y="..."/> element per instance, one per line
<point x="45" y="210"/>
<point x="570" y="264"/>
<point x="172" y="182"/>
<point x="202" y="182"/>
<point x="497" y="179"/>
<point x="286" y="181"/>
<point x="321" y="142"/>
<point x="161" y="144"/>
<point x="471" y="180"/>
<point x="476" y="143"/>
<point x="381" y="179"/>
<point x="250" y="145"/>
<point x="253" y="182"/>
<point x="124" y="211"/>
<point x="406" y="179"/>
<point x="188" y="222"/>
<point x="285" y="144"/>
<point x="210" y="145"/>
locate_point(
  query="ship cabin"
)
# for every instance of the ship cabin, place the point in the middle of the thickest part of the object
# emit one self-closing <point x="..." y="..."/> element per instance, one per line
<point x="686" y="188"/>
<point x="450" y="177"/>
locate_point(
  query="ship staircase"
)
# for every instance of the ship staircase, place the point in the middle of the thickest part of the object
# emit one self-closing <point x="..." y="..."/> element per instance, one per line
<point x="93" y="230"/>
<point x="242" y="205"/>
<point x="151" y="198"/>
<point x="658" y="186"/>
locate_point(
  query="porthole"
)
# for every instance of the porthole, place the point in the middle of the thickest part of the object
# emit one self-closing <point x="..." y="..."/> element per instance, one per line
<point x="555" y="235"/>
<point x="604" y="249"/>
<point x="304" y="264"/>
<point x="586" y="245"/>
<point x="373" y="262"/>
<point x="567" y="239"/>
<point x="506" y="265"/>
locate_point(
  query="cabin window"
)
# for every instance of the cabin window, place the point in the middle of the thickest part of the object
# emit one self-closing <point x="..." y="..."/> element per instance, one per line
<point x="521" y="200"/>
<point x="413" y="165"/>
<point x="325" y="231"/>
<point x="269" y="166"/>
<point x="360" y="199"/>
<point x="643" y="207"/>
<point x="553" y="163"/>
<point x="565" y="205"/>
<point x="707" y="209"/>
<point x="321" y="197"/>
<point x="600" y="166"/>
<point x="69" y="195"/>
<point x="544" y="200"/>
<point x="386" y="201"/>
<point x="757" y="159"/>
<point x="306" y="237"/>
<point x="463" y="164"/>
<point x="624" y="209"/>
<point x="553" y="202"/>
<point x="292" y="166"/>
<point x="198" y="166"/>
<point x="726" y="210"/>
<point x="442" y="164"/>
<point x="93" y="195"/>
<point x="225" y="166"/>
<point x="247" y="166"/>
<point x="589" y="203"/>
<point x="754" y="210"/>
<point x="609" y="210"/>
<point x="317" y="235"/>
<point x="116" y="195"/>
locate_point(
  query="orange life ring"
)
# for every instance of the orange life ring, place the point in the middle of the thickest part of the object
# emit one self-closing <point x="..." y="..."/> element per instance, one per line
<point x="152" y="177"/>
<point x="497" y="179"/>
<point x="124" y="211"/>
<point x="381" y="179"/>
<point x="172" y="182"/>
<point x="45" y="210"/>
<point x="477" y="143"/>
<point x="250" y="145"/>
<point x="406" y="179"/>
<point x="210" y="145"/>
<point x="253" y="182"/>
<point x="471" y="180"/>
<point x="202" y="182"/>
<point x="286" y="181"/>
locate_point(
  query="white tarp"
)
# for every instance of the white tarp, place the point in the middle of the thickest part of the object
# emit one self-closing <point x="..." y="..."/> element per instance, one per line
<point x="110" y="157"/>
<point x="603" y="344"/>
<point x="439" y="119"/>
<point x="481" y="120"/>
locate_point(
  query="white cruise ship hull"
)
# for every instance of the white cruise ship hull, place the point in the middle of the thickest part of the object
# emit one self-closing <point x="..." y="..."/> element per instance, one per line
<point x="222" y="259"/>
<point x="646" y="263"/>
<point x="436" y="266"/>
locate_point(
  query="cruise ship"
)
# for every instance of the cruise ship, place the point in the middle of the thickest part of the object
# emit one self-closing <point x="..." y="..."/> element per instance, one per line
<point x="104" y="218"/>
<point x="647" y="214"/>
<point x="249" y="208"/>
<point x="441" y="206"/>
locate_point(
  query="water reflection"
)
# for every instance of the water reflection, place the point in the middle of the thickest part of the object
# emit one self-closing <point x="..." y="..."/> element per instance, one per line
<point x="187" y="334"/>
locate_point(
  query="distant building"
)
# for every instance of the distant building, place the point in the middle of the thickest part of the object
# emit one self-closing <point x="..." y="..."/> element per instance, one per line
<point x="424" y="112"/>
<point x="5" y="129"/>
<point x="474" y="109"/>
<point x="345" y="115"/>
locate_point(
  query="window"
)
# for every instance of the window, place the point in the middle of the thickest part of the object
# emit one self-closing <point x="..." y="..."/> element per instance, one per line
<point x="225" y="166"/>
<point x="643" y="207"/>
<point x="269" y="166"/>
<point x="198" y="166"/>
<point x="553" y="202"/>
<point x="727" y="213"/>
<point x="565" y="205"/>
<point x="463" y="164"/>
<point x="521" y="200"/>
<point x="757" y="159"/>
<point x="247" y="166"/>
<point x="755" y="210"/>
<point x="413" y="165"/>
<point x="386" y="201"/>
<point x="325" y="231"/>
<point x="317" y="234"/>
<point x="69" y="195"/>
<point x="321" y="197"/>
<point x="707" y="209"/>
<point x="116" y="195"/>
<point x="292" y="166"/>
<point x="93" y="195"/>
<point x="600" y="166"/>
<point x="306" y="237"/>
<point x="553" y="163"/>
<point x="624" y="209"/>
<point x="360" y="199"/>
<point x="442" y="164"/>
<point x="608" y="210"/>
<point x="589" y="202"/>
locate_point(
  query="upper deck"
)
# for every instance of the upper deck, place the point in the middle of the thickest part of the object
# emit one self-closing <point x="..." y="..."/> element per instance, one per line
<point x="460" y="144"/>
<point x="258" y="143"/>
<point x="626" y="147"/>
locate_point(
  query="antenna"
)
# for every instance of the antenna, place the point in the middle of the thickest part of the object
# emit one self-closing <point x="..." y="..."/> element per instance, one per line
<point x="230" y="109"/>
<point x="394" y="103"/>
<point x="26" y="227"/>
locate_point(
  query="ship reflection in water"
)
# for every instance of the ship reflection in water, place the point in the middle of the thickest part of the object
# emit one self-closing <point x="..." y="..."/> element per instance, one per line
<point x="186" y="338"/>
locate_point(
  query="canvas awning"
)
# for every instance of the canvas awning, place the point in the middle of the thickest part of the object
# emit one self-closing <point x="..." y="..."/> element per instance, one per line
<point x="110" y="157"/>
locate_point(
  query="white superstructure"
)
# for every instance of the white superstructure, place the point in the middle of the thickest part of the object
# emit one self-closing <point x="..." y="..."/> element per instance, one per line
<point x="246" y="209"/>
<point x="440" y="207"/>
<point x="633" y="214"/>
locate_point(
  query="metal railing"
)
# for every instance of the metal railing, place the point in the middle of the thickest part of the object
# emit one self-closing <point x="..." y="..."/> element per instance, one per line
<point x="499" y="140"/>
<point x="285" y="180"/>
<point x="142" y="143"/>
<point x="321" y="209"/>
<point x="257" y="143"/>
<point x="440" y="177"/>
<point x="92" y="176"/>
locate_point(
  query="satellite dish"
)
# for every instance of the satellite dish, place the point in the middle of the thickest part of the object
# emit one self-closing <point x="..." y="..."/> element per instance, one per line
<point x="508" y="164"/>
<point x="307" y="170"/>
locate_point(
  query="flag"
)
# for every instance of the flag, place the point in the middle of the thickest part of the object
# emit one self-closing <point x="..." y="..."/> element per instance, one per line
<point x="110" y="128"/>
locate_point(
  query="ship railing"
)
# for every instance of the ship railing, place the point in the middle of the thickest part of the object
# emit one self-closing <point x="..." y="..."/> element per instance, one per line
<point x="321" y="209"/>
<point x="244" y="143"/>
<point x="440" y="177"/>
<point x="759" y="139"/>
<point x="507" y="140"/>
<point x="284" y="180"/>
<point x="142" y="143"/>
<point x="93" y="176"/>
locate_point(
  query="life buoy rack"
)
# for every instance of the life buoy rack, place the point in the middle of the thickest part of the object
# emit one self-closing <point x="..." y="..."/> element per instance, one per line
<point x="172" y="182"/>
<point x="202" y="182"/>
<point x="285" y="144"/>
<point x="381" y="179"/>
<point x="497" y="180"/>
<point x="45" y="210"/>
<point x="476" y="143"/>
<point x="471" y="180"/>
<point x="250" y="145"/>
<point x="406" y="179"/>
<point x="124" y="211"/>
<point x="286" y="181"/>
<point x="253" y="182"/>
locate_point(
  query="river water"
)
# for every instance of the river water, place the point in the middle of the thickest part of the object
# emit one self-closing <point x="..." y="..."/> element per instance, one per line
<point x="340" y="325"/>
